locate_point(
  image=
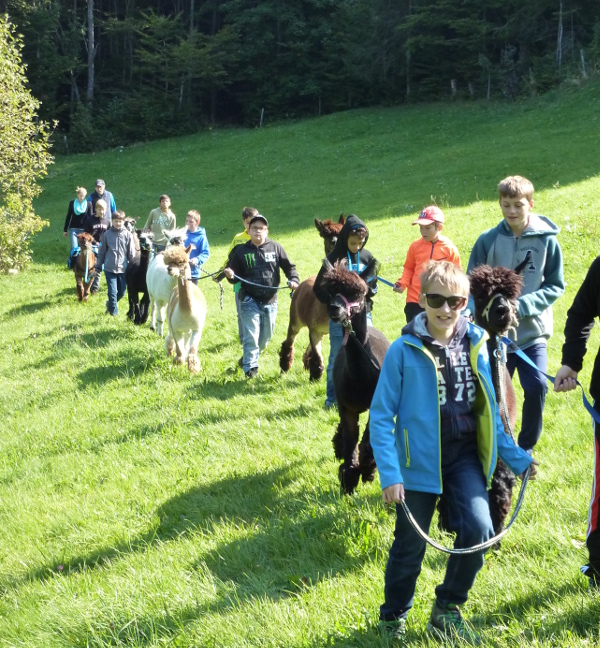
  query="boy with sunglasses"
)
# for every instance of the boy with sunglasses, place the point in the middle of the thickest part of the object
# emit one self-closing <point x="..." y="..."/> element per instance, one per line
<point x="435" y="426"/>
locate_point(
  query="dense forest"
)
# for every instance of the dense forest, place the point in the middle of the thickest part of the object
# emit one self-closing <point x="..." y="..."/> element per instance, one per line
<point x="117" y="71"/>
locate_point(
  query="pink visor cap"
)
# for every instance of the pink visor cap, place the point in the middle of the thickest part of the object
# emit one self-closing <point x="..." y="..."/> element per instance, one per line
<point x="431" y="214"/>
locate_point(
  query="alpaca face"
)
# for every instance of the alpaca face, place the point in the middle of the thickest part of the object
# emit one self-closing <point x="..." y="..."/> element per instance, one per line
<point x="328" y="231"/>
<point x="495" y="292"/>
<point x="145" y="239"/>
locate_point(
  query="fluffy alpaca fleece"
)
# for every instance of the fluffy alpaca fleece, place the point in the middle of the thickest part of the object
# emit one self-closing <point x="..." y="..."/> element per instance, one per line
<point x="186" y="312"/>
<point x="135" y="276"/>
<point x="307" y="310"/>
<point x="355" y="372"/>
<point x="86" y="258"/>
<point x="161" y="282"/>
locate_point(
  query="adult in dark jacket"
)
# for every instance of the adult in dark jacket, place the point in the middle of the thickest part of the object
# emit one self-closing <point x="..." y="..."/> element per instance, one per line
<point x="78" y="212"/>
<point x="258" y="262"/>
<point x="580" y="320"/>
<point x="350" y="246"/>
<point x="101" y="193"/>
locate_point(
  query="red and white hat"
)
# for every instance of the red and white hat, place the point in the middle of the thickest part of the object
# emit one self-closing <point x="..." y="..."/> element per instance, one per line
<point x="431" y="214"/>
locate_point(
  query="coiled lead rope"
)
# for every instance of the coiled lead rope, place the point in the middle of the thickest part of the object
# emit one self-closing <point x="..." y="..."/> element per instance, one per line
<point x="480" y="547"/>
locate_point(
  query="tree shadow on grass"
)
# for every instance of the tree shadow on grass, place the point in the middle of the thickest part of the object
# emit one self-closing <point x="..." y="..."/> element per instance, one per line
<point x="541" y="601"/>
<point x="292" y="543"/>
<point x="249" y="499"/>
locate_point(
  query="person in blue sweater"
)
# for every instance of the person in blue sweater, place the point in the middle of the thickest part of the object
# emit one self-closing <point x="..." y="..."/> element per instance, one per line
<point x="196" y="236"/>
<point x="523" y="235"/>
<point x="436" y="427"/>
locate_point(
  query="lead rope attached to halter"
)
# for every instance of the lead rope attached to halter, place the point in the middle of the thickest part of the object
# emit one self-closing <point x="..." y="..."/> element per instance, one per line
<point x="474" y="549"/>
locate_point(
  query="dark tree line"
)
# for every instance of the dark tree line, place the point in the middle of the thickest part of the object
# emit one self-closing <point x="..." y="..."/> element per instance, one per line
<point x="116" y="71"/>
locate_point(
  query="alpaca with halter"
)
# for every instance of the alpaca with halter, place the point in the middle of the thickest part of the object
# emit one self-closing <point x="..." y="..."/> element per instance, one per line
<point x="160" y="283"/>
<point x="84" y="266"/>
<point x="495" y="292"/>
<point x="186" y="310"/>
<point x="135" y="276"/>
<point x="355" y="371"/>
<point x="307" y="310"/>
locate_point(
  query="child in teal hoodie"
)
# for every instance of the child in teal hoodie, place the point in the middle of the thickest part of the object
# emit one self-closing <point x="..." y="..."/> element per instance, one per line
<point x="523" y="235"/>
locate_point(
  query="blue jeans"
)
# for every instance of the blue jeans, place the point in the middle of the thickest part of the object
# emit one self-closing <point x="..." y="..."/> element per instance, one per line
<point x="238" y="308"/>
<point x="258" y="321"/>
<point x="535" y="388"/>
<point x="73" y="232"/>
<point x="464" y="486"/>
<point x="116" y="288"/>
<point x="336" y="337"/>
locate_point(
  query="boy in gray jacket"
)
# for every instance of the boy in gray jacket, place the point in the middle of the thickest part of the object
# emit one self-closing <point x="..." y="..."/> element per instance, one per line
<point x="117" y="249"/>
<point x="523" y="235"/>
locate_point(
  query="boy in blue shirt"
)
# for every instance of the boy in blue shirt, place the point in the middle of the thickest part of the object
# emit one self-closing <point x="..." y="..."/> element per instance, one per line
<point x="525" y="235"/>
<point x="196" y="236"/>
<point x="435" y="425"/>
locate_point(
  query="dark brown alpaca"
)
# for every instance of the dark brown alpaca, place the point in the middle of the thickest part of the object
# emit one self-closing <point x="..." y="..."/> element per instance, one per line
<point x="356" y="370"/>
<point x="86" y="261"/>
<point x="307" y="310"/>
<point x="495" y="292"/>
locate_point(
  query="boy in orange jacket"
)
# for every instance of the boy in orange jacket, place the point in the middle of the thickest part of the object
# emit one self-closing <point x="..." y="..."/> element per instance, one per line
<point x="432" y="246"/>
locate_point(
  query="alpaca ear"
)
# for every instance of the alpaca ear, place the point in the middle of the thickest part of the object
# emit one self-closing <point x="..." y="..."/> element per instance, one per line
<point x="318" y="225"/>
<point x="188" y="249"/>
<point x="327" y="265"/>
<point x="342" y="219"/>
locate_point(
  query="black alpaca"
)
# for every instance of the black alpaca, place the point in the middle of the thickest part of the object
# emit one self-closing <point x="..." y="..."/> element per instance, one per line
<point x="135" y="276"/>
<point x="495" y="292"/>
<point x="355" y="372"/>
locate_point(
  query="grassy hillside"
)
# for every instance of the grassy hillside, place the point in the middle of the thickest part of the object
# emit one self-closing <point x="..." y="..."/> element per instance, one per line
<point x="142" y="507"/>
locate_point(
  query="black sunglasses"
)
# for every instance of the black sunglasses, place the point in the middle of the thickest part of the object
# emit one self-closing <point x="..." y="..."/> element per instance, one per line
<point x="455" y="302"/>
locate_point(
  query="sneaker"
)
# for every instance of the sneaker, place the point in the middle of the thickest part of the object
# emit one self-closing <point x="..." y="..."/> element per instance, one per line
<point x="393" y="630"/>
<point x="252" y="373"/>
<point x="447" y="623"/>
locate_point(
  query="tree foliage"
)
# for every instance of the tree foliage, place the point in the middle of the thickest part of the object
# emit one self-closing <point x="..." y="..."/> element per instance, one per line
<point x="24" y="155"/>
<point x="164" y="67"/>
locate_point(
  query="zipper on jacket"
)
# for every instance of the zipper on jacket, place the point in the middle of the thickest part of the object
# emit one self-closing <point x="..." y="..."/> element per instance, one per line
<point x="406" y="448"/>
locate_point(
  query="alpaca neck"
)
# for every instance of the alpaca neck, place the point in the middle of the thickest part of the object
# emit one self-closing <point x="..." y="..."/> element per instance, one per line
<point x="360" y="328"/>
<point x="185" y="294"/>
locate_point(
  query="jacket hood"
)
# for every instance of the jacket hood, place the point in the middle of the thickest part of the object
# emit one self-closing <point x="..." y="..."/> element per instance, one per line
<point x="341" y="247"/>
<point x="538" y="226"/>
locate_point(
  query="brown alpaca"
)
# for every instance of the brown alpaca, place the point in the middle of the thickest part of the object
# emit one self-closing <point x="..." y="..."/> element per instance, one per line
<point x="307" y="310"/>
<point x="186" y="311"/>
<point x="495" y="292"/>
<point x="86" y="261"/>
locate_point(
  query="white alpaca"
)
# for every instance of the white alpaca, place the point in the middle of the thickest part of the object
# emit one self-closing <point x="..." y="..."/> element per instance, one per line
<point x="186" y="311"/>
<point x="160" y="283"/>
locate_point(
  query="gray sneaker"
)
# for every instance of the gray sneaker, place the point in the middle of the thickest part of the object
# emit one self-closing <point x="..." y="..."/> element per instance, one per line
<point x="446" y="623"/>
<point x="394" y="630"/>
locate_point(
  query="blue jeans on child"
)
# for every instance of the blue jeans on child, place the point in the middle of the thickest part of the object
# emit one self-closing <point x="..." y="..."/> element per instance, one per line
<point x="535" y="387"/>
<point x="116" y="287"/>
<point x="258" y="321"/>
<point x="73" y="232"/>
<point x="238" y="308"/>
<point x="464" y="486"/>
<point x="336" y="337"/>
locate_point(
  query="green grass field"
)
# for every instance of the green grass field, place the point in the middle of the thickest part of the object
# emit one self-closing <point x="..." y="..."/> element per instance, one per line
<point x="143" y="507"/>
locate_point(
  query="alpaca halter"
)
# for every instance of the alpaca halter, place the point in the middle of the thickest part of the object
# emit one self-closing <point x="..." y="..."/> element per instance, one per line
<point x="351" y="307"/>
<point x="485" y="313"/>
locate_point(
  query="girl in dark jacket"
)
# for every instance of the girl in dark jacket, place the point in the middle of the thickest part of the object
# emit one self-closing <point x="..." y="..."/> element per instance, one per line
<point x="350" y="246"/>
